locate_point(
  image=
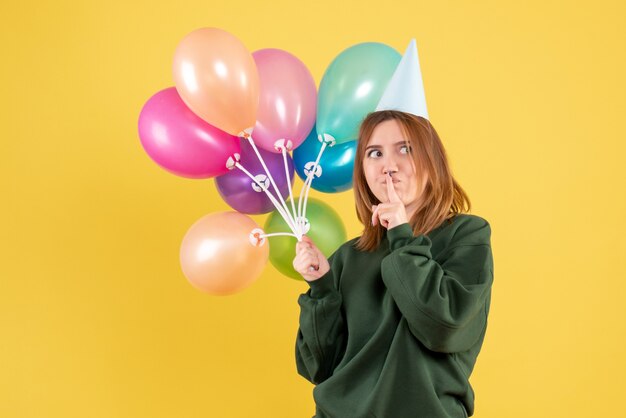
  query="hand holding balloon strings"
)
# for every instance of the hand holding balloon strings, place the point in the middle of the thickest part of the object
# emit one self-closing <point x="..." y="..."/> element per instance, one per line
<point x="310" y="262"/>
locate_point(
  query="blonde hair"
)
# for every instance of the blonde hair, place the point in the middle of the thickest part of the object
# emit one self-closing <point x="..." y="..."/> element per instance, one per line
<point x="442" y="199"/>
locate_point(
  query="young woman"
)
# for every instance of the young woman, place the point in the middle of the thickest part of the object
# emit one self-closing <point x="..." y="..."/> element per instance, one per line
<point x="393" y="322"/>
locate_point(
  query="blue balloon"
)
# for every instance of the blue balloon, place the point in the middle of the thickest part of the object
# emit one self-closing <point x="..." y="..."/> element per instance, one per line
<point x="337" y="163"/>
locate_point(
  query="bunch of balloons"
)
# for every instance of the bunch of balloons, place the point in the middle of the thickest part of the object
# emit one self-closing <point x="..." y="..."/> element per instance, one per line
<point x="236" y="116"/>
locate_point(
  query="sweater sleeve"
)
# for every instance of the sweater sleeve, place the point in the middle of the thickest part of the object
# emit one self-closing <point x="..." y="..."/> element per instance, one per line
<point x="320" y="343"/>
<point x="445" y="303"/>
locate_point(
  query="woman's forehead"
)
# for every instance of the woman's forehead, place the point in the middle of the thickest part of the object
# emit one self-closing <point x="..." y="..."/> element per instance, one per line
<point x="388" y="132"/>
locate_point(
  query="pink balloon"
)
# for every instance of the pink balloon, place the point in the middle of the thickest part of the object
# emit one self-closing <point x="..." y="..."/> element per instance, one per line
<point x="182" y="143"/>
<point x="287" y="99"/>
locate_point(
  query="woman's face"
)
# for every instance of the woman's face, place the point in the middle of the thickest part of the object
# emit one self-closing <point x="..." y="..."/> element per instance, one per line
<point x="387" y="150"/>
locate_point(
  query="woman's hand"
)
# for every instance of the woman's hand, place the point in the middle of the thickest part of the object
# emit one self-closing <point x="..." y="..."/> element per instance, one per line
<point x="390" y="214"/>
<point x="309" y="260"/>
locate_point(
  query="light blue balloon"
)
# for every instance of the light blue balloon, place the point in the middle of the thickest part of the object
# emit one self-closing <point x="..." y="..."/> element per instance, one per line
<point x="351" y="88"/>
<point x="337" y="163"/>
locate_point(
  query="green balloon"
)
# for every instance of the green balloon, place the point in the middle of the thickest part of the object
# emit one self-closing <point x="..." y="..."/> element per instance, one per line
<point x="352" y="86"/>
<point x="327" y="232"/>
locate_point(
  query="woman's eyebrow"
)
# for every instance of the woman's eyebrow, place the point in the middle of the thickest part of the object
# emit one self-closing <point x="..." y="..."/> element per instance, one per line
<point x="380" y="146"/>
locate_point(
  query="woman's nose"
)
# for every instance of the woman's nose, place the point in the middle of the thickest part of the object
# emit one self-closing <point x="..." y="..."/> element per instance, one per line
<point x="390" y="165"/>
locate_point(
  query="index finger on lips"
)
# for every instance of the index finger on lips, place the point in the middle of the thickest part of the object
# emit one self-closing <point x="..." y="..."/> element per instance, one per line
<point x="391" y="191"/>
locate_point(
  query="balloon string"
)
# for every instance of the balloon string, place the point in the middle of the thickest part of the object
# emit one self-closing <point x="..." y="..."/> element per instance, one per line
<point x="309" y="178"/>
<point x="293" y="206"/>
<point x="276" y="234"/>
<point x="269" y="175"/>
<point x="271" y="197"/>
<point x="306" y="196"/>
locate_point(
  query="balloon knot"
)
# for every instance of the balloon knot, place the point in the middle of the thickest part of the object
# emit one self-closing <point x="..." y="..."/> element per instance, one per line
<point x="255" y="237"/>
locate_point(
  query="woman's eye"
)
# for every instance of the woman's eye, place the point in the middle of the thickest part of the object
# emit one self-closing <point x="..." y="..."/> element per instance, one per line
<point x="374" y="153"/>
<point x="405" y="149"/>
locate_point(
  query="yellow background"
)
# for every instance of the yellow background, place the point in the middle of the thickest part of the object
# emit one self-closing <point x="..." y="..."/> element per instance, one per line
<point x="96" y="318"/>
